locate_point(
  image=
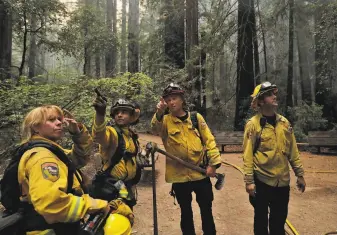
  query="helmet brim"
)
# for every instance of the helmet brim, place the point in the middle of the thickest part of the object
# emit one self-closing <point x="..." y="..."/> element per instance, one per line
<point x="177" y="92"/>
<point x="135" y="113"/>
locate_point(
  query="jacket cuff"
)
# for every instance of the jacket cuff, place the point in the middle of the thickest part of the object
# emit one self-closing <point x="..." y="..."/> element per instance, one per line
<point x="299" y="172"/>
<point x="249" y="179"/>
<point x="99" y="128"/>
<point x="159" y="117"/>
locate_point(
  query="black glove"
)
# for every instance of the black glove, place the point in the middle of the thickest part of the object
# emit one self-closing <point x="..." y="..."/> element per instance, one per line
<point x="100" y="105"/>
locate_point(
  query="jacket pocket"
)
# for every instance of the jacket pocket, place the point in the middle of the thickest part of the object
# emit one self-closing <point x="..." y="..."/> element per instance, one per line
<point x="174" y="137"/>
<point x="267" y="142"/>
<point x="194" y="142"/>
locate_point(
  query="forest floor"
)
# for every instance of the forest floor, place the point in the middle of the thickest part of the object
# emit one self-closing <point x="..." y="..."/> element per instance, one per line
<point x="313" y="212"/>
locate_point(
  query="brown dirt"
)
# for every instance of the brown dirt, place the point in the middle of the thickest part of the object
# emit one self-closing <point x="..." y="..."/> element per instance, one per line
<point x="311" y="213"/>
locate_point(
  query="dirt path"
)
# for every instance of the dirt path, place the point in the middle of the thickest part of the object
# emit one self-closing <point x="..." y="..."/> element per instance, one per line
<point x="312" y="213"/>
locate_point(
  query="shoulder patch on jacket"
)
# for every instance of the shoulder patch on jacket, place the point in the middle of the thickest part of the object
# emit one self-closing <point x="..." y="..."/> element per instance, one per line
<point x="50" y="171"/>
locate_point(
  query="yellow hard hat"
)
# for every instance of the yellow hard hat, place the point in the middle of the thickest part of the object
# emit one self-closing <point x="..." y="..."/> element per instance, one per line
<point x="117" y="224"/>
<point x="263" y="88"/>
<point x="260" y="90"/>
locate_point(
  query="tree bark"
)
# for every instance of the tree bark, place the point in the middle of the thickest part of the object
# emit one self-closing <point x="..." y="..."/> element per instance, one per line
<point x="321" y="68"/>
<point x="32" y="49"/>
<point x="192" y="55"/>
<point x="263" y="41"/>
<point x="5" y="40"/>
<point x="174" y="35"/>
<point x="245" y="63"/>
<point x="223" y="75"/>
<point x="303" y="44"/>
<point x="133" y="37"/>
<point x="123" y="38"/>
<point x="108" y="55"/>
<point x="87" y="56"/>
<point x="98" y="51"/>
<point x="203" y="57"/>
<point x="289" y="100"/>
<point x="24" y="42"/>
<point x="257" y="76"/>
<point x="114" y="31"/>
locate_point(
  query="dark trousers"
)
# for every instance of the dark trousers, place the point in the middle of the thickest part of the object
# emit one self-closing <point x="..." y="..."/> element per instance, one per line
<point x="204" y="196"/>
<point x="277" y="199"/>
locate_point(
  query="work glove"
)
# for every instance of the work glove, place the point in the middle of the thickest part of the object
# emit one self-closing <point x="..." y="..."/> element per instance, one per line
<point x="119" y="207"/>
<point x="301" y="184"/>
<point x="100" y="105"/>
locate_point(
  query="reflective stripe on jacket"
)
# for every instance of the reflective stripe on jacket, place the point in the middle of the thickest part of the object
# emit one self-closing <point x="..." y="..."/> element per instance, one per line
<point x="43" y="178"/>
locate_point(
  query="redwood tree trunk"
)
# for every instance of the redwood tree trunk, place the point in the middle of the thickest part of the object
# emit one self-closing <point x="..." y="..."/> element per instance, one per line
<point x="289" y="100"/>
<point x="257" y="77"/>
<point x="114" y="31"/>
<point x="32" y="48"/>
<point x="245" y="62"/>
<point x="108" y="54"/>
<point x="123" y="38"/>
<point x="24" y="42"/>
<point x="133" y="37"/>
<point x="193" y="59"/>
<point x="5" y="40"/>
<point x="98" y="51"/>
<point x="87" y="56"/>
<point x="174" y="35"/>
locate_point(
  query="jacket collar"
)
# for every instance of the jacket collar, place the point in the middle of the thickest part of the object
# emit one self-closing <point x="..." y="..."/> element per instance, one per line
<point x="37" y="137"/>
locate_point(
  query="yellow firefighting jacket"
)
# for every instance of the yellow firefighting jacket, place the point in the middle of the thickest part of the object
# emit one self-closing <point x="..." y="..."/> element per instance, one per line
<point x="181" y="139"/>
<point x="278" y="147"/>
<point x="43" y="178"/>
<point x="107" y="138"/>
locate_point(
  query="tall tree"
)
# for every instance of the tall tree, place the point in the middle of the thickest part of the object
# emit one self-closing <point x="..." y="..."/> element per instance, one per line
<point x="98" y="51"/>
<point x="47" y="13"/>
<point x="289" y="100"/>
<point x="192" y="52"/>
<point x="303" y="40"/>
<point x="322" y="50"/>
<point x="87" y="54"/>
<point x="133" y="36"/>
<point x="5" y="39"/>
<point x="223" y="88"/>
<point x="32" y="49"/>
<point x="123" y="38"/>
<point x="114" y="31"/>
<point x="174" y="34"/>
<point x="263" y="39"/>
<point x="203" y="58"/>
<point x="245" y="62"/>
<point x="109" y="63"/>
<point x="257" y="77"/>
<point x="25" y="38"/>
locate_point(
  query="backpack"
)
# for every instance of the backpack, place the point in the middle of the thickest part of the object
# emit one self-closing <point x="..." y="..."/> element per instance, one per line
<point x="194" y="119"/>
<point x="195" y="124"/>
<point x="103" y="185"/>
<point x="10" y="188"/>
